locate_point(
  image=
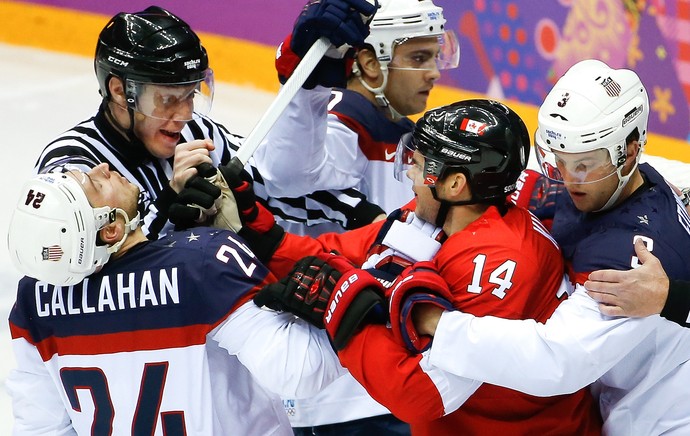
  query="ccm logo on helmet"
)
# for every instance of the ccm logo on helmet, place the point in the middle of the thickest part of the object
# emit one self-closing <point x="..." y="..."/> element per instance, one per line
<point x="339" y="294"/>
<point x="117" y="61"/>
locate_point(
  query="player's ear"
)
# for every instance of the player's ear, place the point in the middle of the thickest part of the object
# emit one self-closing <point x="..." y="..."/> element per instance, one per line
<point x="456" y="187"/>
<point x="369" y="66"/>
<point x="117" y="91"/>
<point x="113" y="232"/>
<point x="632" y="151"/>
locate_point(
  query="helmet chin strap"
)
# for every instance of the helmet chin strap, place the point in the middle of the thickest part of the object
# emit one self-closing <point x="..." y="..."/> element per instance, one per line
<point x="622" y="181"/>
<point x="128" y="131"/>
<point x="130" y="226"/>
<point x="379" y="96"/>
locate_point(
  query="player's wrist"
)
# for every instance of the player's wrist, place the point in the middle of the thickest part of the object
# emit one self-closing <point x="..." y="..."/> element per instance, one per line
<point x="677" y="304"/>
<point x="426" y="317"/>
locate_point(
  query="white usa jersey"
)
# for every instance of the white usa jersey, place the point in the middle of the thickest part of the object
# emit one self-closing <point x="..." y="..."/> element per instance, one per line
<point x="334" y="154"/>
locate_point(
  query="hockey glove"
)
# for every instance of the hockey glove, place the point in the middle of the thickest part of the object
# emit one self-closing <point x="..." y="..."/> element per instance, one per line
<point x="538" y="194"/>
<point x="343" y="22"/>
<point x="329" y="292"/>
<point x="241" y="211"/>
<point x="418" y="284"/>
<point x="196" y="202"/>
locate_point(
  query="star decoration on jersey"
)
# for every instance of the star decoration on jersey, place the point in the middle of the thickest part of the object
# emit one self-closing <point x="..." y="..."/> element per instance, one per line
<point x="643" y="219"/>
<point x="192" y="237"/>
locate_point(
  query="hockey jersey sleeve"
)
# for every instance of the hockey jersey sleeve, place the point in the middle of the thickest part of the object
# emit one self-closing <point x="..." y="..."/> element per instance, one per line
<point x="353" y="245"/>
<point x="677" y="307"/>
<point x="309" y="150"/>
<point x="36" y="402"/>
<point x="408" y="385"/>
<point x="285" y="354"/>
<point x="572" y="349"/>
<point x="319" y="157"/>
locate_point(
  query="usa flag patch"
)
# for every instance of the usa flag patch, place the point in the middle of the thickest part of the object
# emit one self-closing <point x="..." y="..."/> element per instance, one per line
<point x="53" y="253"/>
<point x="613" y="89"/>
<point x="473" y="126"/>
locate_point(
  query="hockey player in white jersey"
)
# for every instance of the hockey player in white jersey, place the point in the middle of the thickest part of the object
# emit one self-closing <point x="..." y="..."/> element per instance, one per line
<point x="341" y="130"/>
<point x="116" y="334"/>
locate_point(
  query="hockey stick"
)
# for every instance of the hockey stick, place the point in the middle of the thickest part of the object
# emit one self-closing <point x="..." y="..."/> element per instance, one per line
<point x="285" y="95"/>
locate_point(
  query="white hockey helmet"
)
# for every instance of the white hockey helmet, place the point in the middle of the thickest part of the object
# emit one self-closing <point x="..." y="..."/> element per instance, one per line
<point x="53" y="233"/>
<point x="592" y="109"/>
<point x="397" y="21"/>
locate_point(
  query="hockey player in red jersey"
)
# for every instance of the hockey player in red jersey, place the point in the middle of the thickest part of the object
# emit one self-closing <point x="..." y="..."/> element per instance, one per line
<point x="123" y="335"/>
<point x="592" y="130"/>
<point x="497" y="259"/>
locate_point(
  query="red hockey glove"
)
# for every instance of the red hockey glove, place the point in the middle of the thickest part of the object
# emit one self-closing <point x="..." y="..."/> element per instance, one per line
<point x="241" y="211"/>
<point x="328" y="292"/>
<point x="252" y="213"/>
<point x="538" y="194"/>
<point x="418" y="284"/>
<point x="357" y="299"/>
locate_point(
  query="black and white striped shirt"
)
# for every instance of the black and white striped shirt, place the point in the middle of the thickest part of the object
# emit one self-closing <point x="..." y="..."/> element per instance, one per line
<point x="96" y="139"/>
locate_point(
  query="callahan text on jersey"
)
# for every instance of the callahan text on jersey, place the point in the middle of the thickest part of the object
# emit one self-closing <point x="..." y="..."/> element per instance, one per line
<point x="117" y="292"/>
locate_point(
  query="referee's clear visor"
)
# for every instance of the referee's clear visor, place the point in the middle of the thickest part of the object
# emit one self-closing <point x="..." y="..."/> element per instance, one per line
<point x="182" y="101"/>
<point x="575" y="168"/>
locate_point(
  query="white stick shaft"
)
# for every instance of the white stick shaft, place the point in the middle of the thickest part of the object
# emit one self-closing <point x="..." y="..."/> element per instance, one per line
<point x="287" y="92"/>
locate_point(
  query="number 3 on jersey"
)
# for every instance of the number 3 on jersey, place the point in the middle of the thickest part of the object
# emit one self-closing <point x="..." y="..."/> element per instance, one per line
<point x="501" y="277"/>
<point x="648" y="242"/>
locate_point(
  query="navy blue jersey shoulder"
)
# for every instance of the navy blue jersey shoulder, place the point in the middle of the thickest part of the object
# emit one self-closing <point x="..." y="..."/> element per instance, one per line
<point x="184" y="279"/>
<point x="592" y="241"/>
<point x="356" y="107"/>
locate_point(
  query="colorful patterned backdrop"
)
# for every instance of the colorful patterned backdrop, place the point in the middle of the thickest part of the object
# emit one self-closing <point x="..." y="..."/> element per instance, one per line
<point x="517" y="49"/>
<point x="513" y="49"/>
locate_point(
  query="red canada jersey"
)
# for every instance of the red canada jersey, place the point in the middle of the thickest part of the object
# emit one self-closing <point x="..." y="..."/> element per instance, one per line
<point x="506" y="266"/>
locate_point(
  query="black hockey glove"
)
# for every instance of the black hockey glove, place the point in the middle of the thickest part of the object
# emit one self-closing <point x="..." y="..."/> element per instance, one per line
<point x="328" y="292"/>
<point x="241" y="211"/>
<point x="196" y="202"/>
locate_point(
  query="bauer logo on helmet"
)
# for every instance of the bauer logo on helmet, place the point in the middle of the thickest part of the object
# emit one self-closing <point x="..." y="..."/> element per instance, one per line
<point x="630" y="116"/>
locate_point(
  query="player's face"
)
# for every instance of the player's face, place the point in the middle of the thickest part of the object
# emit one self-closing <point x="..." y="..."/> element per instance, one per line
<point x="162" y="112"/>
<point x="108" y="188"/>
<point x="427" y="207"/>
<point x="590" y="178"/>
<point x="411" y="74"/>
